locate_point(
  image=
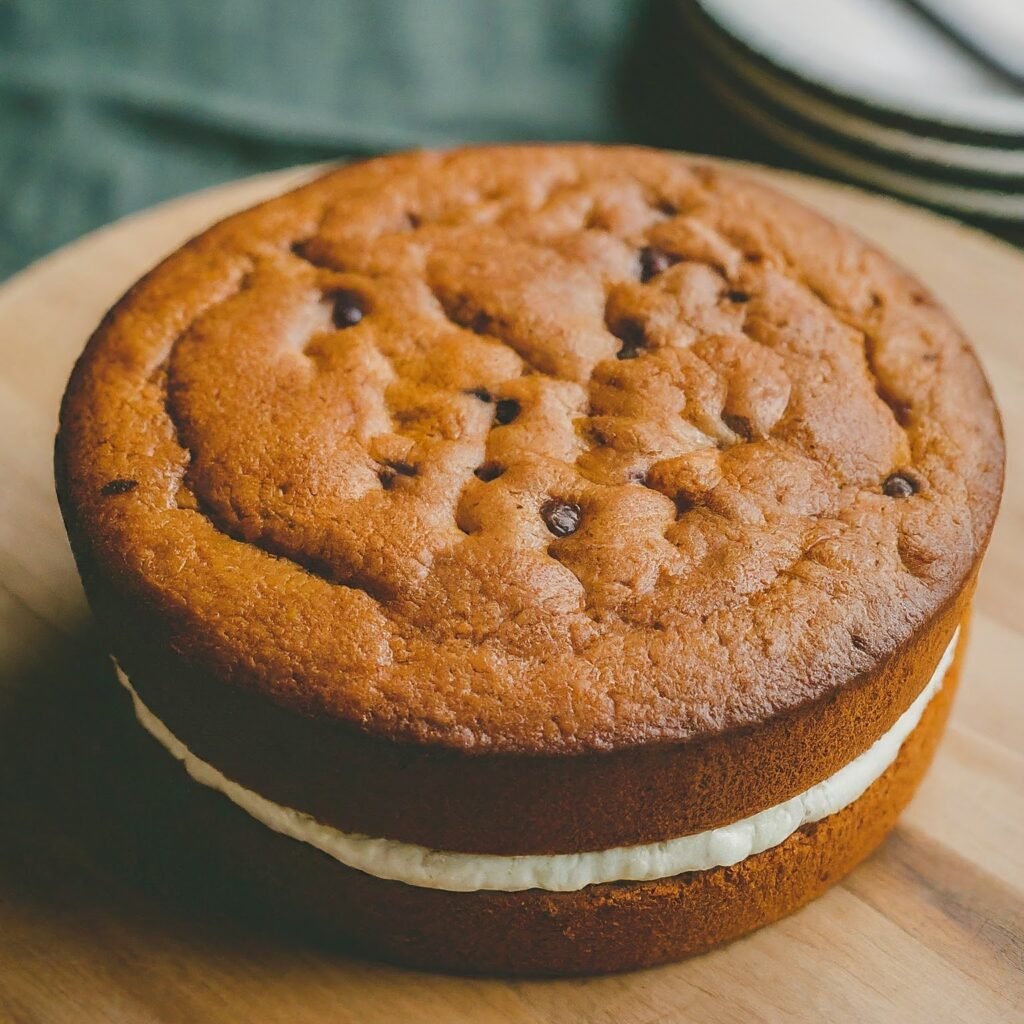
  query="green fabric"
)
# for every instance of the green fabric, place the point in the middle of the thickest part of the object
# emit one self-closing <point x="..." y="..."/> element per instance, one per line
<point x="107" y="106"/>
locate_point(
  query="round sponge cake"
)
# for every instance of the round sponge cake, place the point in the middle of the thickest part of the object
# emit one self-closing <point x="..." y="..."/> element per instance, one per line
<point x="552" y="542"/>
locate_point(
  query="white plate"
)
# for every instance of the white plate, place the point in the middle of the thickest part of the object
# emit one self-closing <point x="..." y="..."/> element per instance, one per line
<point x="878" y="53"/>
<point x="811" y="107"/>
<point x="965" y="200"/>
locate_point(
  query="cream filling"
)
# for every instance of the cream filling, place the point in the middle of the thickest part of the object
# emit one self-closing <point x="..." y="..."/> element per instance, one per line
<point x="563" y="872"/>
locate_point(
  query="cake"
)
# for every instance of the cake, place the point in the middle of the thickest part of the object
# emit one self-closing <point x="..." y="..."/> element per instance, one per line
<point x="563" y="553"/>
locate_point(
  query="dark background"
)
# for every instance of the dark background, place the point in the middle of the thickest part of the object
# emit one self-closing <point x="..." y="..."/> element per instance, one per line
<point x="108" y="106"/>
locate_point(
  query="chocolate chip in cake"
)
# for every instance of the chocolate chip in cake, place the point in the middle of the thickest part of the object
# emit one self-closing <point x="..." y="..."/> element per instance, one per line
<point x="738" y="425"/>
<point x="506" y="410"/>
<point x="561" y="517"/>
<point x="900" y="485"/>
<point x="654" y="261"/>
<point x="348" y="310"/>
<point x="488" y="471"/>
<point x="482" y="323"/>
<point x="684" y="503"/>
<point x="631" y="334"/>
<point x="737" y="295"/>
<point x="482" y="393"/>
<point x="119" y="487"/>
<point x="391" y="470"/>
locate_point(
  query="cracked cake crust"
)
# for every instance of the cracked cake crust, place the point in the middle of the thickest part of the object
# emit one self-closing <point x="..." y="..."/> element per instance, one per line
<point x="309" y="487"/>
<point x="528" y="500"/>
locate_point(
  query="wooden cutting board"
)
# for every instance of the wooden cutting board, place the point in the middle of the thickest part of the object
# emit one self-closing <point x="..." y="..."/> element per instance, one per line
<point x="108" y="911"/>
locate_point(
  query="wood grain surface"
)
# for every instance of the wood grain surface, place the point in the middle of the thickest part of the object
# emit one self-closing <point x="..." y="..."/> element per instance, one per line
<point x="110" y="912"/>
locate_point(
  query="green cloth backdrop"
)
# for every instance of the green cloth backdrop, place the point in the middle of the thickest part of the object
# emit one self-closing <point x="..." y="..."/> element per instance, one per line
<point x="107" y="106"/>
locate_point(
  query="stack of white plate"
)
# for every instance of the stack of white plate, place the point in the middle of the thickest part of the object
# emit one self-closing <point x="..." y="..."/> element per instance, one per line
<point x="922" y="98"/>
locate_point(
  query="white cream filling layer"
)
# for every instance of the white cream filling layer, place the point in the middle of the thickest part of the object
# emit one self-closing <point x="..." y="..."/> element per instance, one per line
<point x="563" y="872"/>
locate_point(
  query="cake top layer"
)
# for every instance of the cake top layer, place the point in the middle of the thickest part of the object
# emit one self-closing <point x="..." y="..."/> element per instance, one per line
<point x="532" y="449"/>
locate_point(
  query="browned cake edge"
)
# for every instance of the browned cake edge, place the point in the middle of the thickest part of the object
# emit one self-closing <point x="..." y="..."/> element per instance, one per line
<point x="501" y="803"/>
<point x="508" y="804"/>
<point x="602" y="928"/>
<point x="114" y="546"/>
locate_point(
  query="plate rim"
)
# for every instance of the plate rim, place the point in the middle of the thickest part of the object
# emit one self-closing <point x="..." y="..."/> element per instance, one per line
<point x="1004" y="126"/>
<point x="996" y="161"/>
<point x="962" y="200"/>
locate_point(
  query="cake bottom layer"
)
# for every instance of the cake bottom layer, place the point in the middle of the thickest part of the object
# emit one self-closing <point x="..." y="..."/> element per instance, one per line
<point x="602" y="928"/>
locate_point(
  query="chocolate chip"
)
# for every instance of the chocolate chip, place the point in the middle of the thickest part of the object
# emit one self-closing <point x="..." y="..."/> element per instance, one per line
<point x="900" y="485"/>
<point x="414" y="219"/>
<point x="753" y="257"/>
<point x="506" y="410"/>
<point x="348" y="310"/>
<point x="482" y="393"/>
<point x="654" y="261"/>
<point x="392" y="470"/>
<point x="738" y="425"/>
<point x="684" y="503"/>
<point x="631" y="334"/>
<point x="119" y="487"/>
<point x="737" y="295"/>
<point x="488" y="471"/>
<point x="561" y="517"/>
<point x="667" y="207"/>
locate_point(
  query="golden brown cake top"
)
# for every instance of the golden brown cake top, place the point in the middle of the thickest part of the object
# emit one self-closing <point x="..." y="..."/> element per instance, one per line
<point x="533" y="449"/>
